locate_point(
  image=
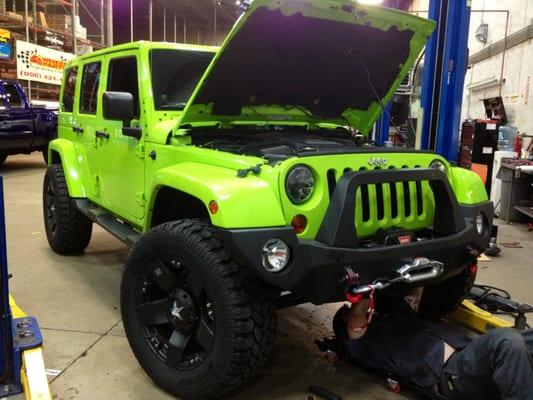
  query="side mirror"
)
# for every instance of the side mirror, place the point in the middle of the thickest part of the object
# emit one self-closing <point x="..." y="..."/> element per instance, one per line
<point x="118" y="106"/>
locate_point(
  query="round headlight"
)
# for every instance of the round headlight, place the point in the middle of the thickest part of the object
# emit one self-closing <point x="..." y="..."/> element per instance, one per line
<point x="479" y="223"/>
<point x="437" y="164"/>
<point x="275" y="255"/>
<point x="299" y="184"/>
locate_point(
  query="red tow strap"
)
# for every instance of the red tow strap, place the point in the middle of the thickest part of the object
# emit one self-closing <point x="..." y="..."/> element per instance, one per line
<point x="355" y="299"/>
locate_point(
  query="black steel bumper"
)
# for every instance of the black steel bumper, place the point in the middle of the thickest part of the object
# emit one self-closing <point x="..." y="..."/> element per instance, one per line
<point x="317" y="266"/>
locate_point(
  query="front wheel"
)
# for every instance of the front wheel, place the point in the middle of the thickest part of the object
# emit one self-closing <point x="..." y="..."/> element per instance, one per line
<point x="196" y="322"/>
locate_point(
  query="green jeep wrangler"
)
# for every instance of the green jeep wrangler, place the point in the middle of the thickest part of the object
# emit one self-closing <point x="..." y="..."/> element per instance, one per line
<point x="240" y="179"/>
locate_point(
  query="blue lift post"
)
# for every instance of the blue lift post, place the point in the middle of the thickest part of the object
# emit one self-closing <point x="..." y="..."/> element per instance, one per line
<point x="445" y="67"/>
<point x="6" y="327"/>
<point x="383" y="125"/>
<point x="21" y="363"/>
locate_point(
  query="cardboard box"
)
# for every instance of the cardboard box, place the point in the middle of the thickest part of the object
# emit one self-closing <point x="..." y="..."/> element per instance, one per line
<point x="22" y="15"/>
<point x="58" y="21"/>
<point x="13" y="15"/>
<point x="81" y="32"/>
<point x="41" y="19"/>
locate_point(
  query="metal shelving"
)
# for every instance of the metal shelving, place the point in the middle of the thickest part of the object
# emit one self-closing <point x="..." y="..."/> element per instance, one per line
<point x="191" y="21"/>
<point x="27" y="26"/>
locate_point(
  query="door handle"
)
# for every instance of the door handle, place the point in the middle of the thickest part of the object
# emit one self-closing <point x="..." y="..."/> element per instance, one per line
<point x="102" y="135"/>
<point x="77" y="129"/>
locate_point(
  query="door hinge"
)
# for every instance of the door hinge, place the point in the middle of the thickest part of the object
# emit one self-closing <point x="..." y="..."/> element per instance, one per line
<point x="139" y="151"/>
<point x="141" y="200"/>
<point x="96" y="180"/>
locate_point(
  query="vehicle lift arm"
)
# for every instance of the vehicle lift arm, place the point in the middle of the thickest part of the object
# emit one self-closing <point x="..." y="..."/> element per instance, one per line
<point x="21" y="359"/>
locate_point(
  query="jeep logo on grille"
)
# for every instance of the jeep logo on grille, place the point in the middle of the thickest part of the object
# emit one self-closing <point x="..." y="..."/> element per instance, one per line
<point x="377" y="162"/>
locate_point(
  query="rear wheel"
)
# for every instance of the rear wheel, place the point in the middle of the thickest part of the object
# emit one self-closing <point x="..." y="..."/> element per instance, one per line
<point x="68" y="231"/>
<point x="197" y="324"/>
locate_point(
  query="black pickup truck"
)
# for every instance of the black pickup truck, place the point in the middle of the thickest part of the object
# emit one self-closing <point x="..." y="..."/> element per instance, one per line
<point x="24" y="127"/>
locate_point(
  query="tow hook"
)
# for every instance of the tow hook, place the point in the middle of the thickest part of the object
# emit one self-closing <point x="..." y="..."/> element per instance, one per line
<point x="420" y="269"/>
<point x="351" y="281"/>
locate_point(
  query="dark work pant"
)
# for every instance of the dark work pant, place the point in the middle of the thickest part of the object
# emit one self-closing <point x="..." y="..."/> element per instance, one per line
<point x="496" y="365"/>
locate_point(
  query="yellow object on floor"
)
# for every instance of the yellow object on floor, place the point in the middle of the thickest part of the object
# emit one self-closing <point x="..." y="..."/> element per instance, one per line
<point x="477" y="319"/>
<point x="33" y="373"/>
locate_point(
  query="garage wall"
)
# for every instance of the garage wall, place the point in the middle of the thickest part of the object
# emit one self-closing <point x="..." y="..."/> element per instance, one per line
<point x="517" y="88"/>
<point x="518" y="67"/>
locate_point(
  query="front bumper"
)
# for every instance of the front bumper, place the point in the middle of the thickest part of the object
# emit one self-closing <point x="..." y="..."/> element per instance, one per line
<point x="316" y="267"/>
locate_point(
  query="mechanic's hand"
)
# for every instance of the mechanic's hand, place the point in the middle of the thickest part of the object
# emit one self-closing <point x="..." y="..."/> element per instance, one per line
<point x="356" y="319"/>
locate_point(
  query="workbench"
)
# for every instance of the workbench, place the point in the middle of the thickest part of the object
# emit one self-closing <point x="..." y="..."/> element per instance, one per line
<point x="517" y="190"/>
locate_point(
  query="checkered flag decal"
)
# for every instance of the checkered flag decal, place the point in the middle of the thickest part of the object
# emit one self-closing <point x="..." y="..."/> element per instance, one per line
<point x="25" y="57"/>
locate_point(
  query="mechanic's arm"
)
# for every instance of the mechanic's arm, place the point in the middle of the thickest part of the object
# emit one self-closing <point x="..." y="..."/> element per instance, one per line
<point x="356" y="319"/>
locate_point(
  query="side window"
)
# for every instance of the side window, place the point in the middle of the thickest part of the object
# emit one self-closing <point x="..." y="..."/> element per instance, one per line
<point x="122" y="77"/>
<point x="89" y="88"/>
<point x="69" y="89"/>
<point x="13" y="95"/>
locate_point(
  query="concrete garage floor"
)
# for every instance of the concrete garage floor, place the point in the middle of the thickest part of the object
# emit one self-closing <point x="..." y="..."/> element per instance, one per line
<point x="76" y="300"/>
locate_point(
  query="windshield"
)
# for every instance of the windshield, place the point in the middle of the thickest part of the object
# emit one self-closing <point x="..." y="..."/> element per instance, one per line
<point x="175" y="74"/>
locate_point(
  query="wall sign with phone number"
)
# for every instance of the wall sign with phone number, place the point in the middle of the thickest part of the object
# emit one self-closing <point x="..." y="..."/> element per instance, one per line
<point x="40" y="64"/>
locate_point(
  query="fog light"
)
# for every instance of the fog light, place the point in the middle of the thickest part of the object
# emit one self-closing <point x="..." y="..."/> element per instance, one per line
<point x="479" y="222"/>
<point x="275" y="255"/>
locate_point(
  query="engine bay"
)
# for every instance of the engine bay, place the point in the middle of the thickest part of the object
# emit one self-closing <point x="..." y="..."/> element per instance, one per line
<point x="277" y="144"/>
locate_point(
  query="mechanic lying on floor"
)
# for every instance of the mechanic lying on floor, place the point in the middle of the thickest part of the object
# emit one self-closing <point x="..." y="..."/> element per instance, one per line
<point x="496" y="365"/>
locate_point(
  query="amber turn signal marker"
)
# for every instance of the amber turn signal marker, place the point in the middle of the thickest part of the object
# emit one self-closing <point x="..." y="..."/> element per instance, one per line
<point x="213" y="207"/>
<point x="299" y="223"/>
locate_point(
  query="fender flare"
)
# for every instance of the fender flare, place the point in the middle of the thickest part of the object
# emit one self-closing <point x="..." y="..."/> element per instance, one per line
<point x="249" y="202"/>
<point x="468" y="186"/>
<point x="66" y="151"/>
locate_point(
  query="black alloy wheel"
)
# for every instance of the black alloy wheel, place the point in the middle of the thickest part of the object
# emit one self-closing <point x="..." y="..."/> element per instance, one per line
<point x="198" y="323"/>
<point x="68" y="231"/>
<point x="50" y="214"/>
<point x="177" y="314"/>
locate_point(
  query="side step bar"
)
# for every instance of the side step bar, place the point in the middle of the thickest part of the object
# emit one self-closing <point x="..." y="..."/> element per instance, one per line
<point x="107" y="221"/>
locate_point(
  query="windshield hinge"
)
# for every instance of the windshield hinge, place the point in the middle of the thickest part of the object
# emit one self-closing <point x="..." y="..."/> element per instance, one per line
<point x="243" y="173"/>
<point x="139" y="150"/>
<point x="141" y="200"/>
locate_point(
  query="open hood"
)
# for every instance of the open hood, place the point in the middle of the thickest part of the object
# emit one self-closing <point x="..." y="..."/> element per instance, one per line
<point x="308" y="62"/>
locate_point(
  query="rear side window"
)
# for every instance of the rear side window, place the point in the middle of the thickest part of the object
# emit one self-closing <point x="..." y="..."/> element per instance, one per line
<point x="89" y="88"/>
<point x="69" y="88"/>
<point x="13" y="95"/>
<point x="122" y="77"/>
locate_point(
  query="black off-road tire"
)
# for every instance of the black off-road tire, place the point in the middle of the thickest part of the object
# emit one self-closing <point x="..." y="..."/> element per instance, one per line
<point x="190" y="253"/>
<point x="441" y="299"/>
<point x="68" y="231"/>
